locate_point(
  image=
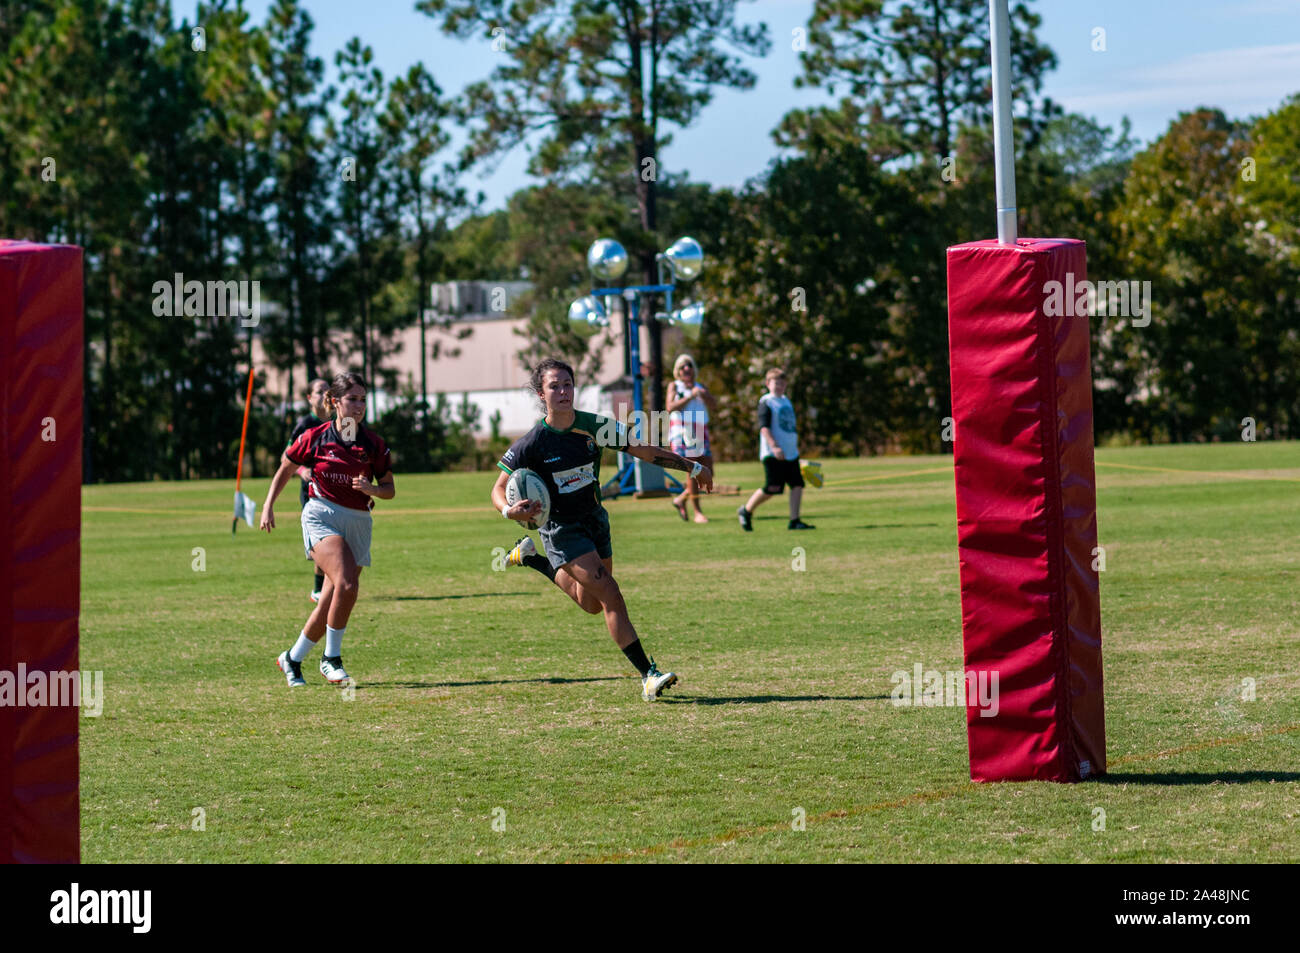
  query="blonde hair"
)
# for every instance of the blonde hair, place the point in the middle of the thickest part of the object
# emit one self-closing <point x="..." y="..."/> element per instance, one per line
<point x="774" y="373"/>
<point x="682" y="361"/>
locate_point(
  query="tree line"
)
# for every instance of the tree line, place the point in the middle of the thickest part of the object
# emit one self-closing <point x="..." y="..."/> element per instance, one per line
<point x="215" y="149"/>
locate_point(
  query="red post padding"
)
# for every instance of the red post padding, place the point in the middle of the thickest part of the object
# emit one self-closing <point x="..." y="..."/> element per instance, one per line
<point x="1026" y="510"/>
<point x="40" y="548"/>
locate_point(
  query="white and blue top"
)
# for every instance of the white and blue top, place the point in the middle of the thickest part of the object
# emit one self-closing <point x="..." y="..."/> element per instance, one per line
<point x="777" y="415"/>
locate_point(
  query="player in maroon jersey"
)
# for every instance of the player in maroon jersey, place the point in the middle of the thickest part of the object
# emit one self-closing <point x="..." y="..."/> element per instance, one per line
<point x="350" y="468"/>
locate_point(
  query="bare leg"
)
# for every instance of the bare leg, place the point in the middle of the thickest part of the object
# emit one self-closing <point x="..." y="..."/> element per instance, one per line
<point x="694" y="488"/>
<point x="315" y="626"/>
<point x="758" y="498"/>
<point x="574" y="590"/>
<point x="596" y="578"/>
<point x="679" y="501"/>
<point x="342" y="575"/>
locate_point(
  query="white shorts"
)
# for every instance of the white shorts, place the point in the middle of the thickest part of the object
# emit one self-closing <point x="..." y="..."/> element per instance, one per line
<point x="321" y="518"/>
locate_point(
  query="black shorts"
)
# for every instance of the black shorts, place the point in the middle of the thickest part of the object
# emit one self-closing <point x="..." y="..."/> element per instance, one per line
<point x="780" y="474"/>
<point x="565" y="542"/>
<point x="304" y="496"/>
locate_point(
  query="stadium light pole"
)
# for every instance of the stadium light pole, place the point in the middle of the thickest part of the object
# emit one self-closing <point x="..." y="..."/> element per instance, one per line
<point x="607" y="260"/>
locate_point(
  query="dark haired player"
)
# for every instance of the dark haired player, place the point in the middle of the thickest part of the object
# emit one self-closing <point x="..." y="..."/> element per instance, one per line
<point x="564" y="450"/>
<point x="350" y="468"/>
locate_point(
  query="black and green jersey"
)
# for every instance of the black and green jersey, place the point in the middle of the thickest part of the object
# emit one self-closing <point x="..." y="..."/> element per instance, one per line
<point x="568" y="461"/>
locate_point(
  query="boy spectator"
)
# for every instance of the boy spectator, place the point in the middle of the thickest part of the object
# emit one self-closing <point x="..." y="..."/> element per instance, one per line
<point x="778" y="445"/>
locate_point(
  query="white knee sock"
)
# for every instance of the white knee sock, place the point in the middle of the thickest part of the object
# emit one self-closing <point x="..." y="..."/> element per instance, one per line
<point x="334" y="641"/>
<point x="302" y="648"/>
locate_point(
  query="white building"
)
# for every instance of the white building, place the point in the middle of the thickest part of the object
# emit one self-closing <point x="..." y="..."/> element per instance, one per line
<point x="484" y="365"/>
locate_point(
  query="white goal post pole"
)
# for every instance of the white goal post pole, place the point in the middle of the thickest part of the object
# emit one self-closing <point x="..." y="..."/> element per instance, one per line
<point x="1004" y="146"/>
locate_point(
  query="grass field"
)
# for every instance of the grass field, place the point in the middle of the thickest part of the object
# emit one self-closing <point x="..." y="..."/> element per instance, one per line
<point x="487" y="695"/>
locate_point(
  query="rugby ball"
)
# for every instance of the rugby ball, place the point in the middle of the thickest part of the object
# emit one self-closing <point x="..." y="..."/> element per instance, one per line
<point x="525" y="484"/>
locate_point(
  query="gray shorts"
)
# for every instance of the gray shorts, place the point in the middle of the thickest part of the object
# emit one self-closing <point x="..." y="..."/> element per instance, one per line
<point x="321" y="518"/>
<point x="565" y="542"/>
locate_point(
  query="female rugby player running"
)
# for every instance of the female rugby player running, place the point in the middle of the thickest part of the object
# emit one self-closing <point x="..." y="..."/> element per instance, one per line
<point x="564" y="450"/>
<point x="344" y="458"/>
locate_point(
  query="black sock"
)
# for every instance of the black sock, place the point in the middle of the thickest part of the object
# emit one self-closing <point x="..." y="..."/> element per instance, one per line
<point x="636" y="655"/>
<point x="320" y="582"/>
<point x="541" y="564"/>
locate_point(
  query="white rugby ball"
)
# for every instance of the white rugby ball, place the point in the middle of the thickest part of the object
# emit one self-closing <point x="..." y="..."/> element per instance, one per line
<point x="525" y="484"/>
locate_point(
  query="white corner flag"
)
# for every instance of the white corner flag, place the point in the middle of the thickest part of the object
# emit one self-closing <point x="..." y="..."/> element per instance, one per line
<point x="246" y="508"/>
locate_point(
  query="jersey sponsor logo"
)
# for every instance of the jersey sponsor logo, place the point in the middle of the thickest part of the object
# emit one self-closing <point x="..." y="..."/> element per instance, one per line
<point x="569" y="481"/>
<point x="552" y="460"/>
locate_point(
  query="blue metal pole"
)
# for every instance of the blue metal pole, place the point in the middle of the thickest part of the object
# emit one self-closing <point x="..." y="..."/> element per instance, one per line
<point x="626" y="478"/>
<point x="633" y="299"/>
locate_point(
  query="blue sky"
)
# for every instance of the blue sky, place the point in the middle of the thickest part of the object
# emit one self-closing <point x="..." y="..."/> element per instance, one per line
<point x="1162" y="57"/>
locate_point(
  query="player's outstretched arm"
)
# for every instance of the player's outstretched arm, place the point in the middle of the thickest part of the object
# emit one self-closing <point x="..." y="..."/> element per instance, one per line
<point x="672" y="461"/>
<point x="282" y="476"/>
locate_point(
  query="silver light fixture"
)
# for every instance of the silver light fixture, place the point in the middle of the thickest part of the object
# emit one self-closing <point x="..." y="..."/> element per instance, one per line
<point x="685" y="257"/>
<point x="607" y="259"/>
<point x="587" y="316"/>
<point x="690" y="318"/>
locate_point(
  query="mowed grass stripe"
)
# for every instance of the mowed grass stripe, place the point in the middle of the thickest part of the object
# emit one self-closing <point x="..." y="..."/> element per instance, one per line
<point x="1241" y="475"/>
<point x="920" y="797"/>
<point x="481" y="690"/>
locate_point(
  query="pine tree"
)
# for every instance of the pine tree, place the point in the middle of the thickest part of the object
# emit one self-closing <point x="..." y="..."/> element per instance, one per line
<point x="910" y="73"/>
<point x="596" y="83"/>
<point x="415" y="124"/>
<point x="300" y="196"/>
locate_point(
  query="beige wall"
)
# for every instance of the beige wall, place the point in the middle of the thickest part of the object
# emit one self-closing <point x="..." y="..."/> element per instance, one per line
<point x="486" y="364"/>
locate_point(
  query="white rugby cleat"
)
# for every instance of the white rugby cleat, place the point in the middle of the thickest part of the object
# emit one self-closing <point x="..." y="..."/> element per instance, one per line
<point x="523" y="548"/>
<point x="655" y="681"/>
<point x="332" y="669"/>
<point x="292" y="670"/>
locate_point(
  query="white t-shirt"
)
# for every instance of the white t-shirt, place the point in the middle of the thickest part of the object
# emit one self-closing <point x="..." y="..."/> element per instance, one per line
<point x="696" y="411"/>
<point x="689" y="426"/>
<point x="777" y="415"/>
